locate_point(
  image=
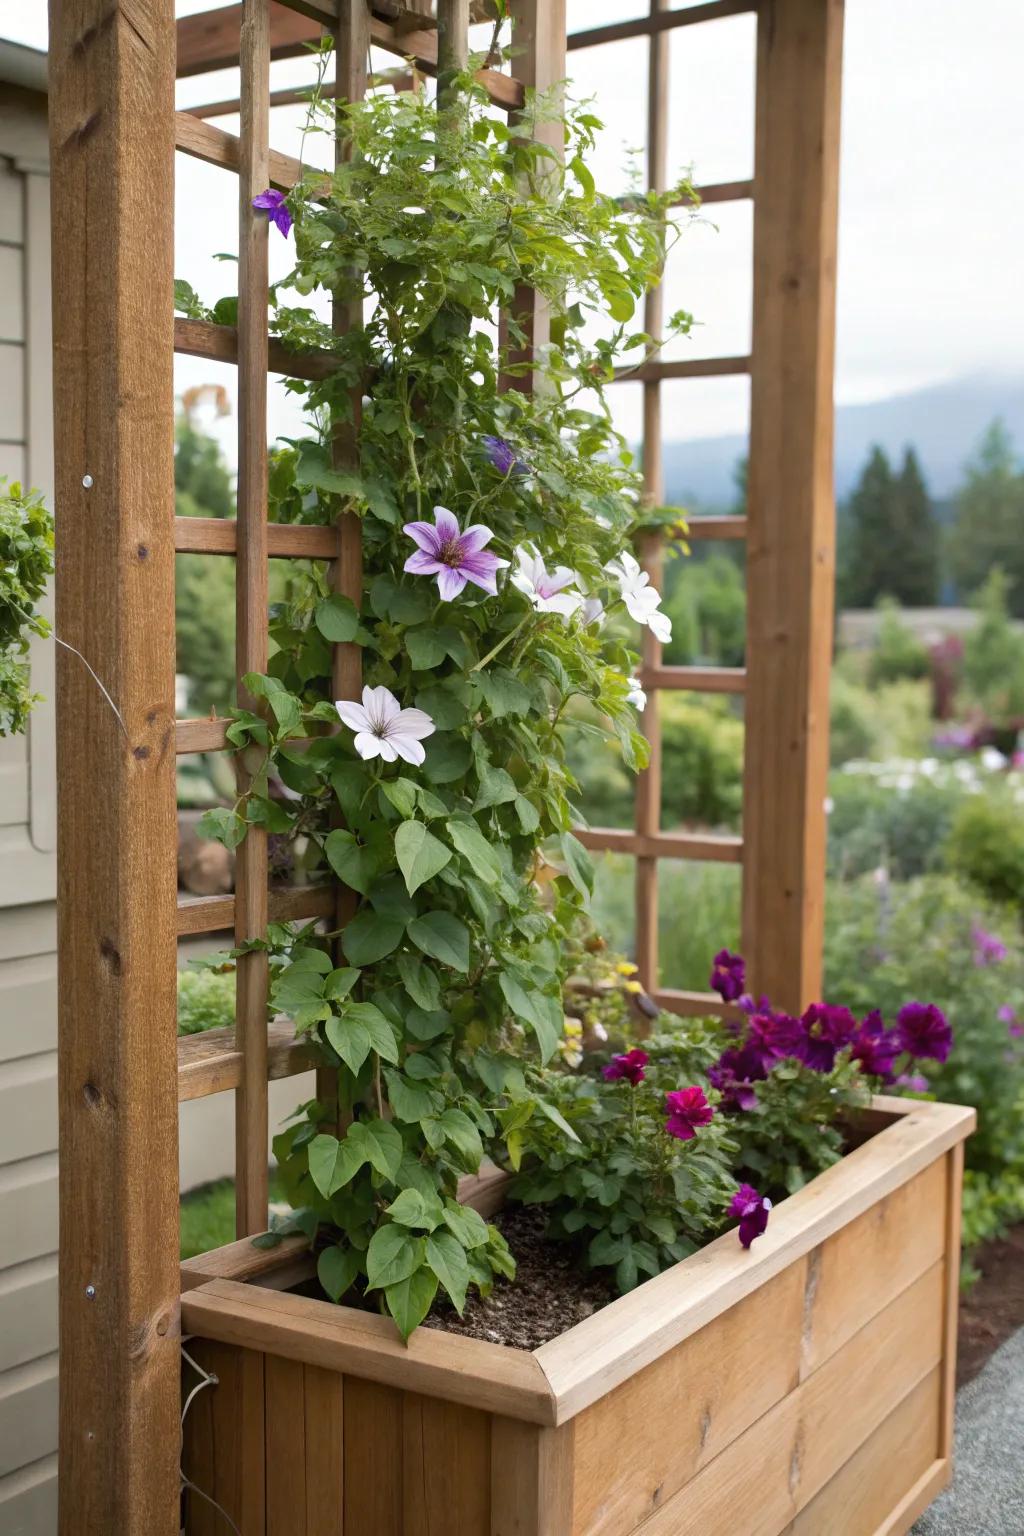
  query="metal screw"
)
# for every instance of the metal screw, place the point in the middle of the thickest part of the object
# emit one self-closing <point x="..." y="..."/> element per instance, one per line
<point x="87" y="482"/>
<point x="90" y="1293"/>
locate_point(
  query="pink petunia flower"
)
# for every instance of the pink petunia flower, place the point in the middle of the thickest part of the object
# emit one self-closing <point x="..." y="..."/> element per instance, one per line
<point x="751" y="1210"/>
<point x="688" y="1109"/>
<point x="272" y="203"/>
<point x="452" y="556"/>
<point x="383" y="728"/>
<point x="629" y="1066"/>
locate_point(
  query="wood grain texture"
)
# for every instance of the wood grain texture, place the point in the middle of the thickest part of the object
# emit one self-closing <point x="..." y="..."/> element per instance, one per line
<point x="112" y="154"/>
<point x="373" y="1458"/>
<point x="531" y="1479"/>
<point x="701" y="528"/>
<point x="200" y="140"/>
<point x="791" y="511"/>
<point x="285" y="1432"/>
<point x="285" y="541"/>
<point x="719" y="848"/>
<point x="694" y="679"/>
<point x="223" y="1449"/>
<point x="446" y="1468"/>
<point x="660" y="21"/>
<point x="212" y="914"/>
<point x="324" y="1451"/>
<point x="201" y="338"/>
<point x="953" y="1218"/>
<point x="251" y="610"/>
<point x="660" y="369"/>
<point x="212" y="1062"/>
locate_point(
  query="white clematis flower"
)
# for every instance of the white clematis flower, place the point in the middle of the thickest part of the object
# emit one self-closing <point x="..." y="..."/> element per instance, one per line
<point x="636" y="695"/>
<point x="592" y="611"/>
<point x="383" y="728"/>
<point x="545" y="589"/>
<point x="643" y="602"/>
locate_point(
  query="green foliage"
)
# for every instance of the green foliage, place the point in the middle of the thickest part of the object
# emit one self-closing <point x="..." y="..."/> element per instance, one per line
<point x="897" y="820"/>
<point x="897" y="652"/>
<point x="208" y="1215"/>
<point x="891" y="544"/>
<point x="986" y="847"/>
<point x="890" y="721"/>
<point x="26" y="560"/>
<point x="449" y="997"/>
<point x="916" y="553"/>
<point x="989" y="522"/>
<point x="206" y="1000"/>
<point x="707" y="604"/>
<point x="795" y="1132"/>
<point x="853" y="730"/>
<point x="204" y="589"/>
<point x="698" y="914"/>
<point x="994" y="654"/>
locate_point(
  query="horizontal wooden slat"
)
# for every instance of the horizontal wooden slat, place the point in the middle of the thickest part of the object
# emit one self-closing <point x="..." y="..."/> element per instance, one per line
<point x="724" y="192"/>
<point x="219" y="343"/>
<point x="682" y="368"/>
<point x="703" y="846"/>
<point x="212" y="1063"/>
<point x="695" y="679"/>
<point x="443" y="1365"/>
<point x="200" y="735"/>
<point x="660" y="21"/>
<point x="202" y="141"/>
<point x="700" y="528"/>
<point x="211" y="914"/>
<point x="219" y="536"/>
<point x="694" y="1005"/>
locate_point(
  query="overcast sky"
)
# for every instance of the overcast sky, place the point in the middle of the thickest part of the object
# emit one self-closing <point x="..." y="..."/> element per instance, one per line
<point x="931" y="247"/>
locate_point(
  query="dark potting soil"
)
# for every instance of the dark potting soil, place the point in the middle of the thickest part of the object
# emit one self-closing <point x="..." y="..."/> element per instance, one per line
<point x="993" y="1308"/>
<point x="552" y="1292"/>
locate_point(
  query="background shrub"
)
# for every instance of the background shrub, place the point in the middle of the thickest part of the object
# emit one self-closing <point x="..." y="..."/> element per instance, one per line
<point x="206" y="1000"/>
<point x="986" y="847"/>
<point x="897" y="651"/>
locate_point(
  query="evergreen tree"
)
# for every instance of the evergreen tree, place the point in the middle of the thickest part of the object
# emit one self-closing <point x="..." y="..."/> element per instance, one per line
<point x="988" y="529"/>
<point x="866" y="562"/>
<point x="204" y="584"/>
<point x="915" y="545"/>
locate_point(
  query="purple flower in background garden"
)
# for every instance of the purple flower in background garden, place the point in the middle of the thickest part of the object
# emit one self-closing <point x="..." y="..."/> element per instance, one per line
<point x="734" y="1075"/>
<point x="688" y="1109"/>
<point x="914" y="1081"/>
<point x="630" y="1066"/>
<point x="272" y="203"/>
<point x="503" y="456"/>
<point x="989" y="949"/>
<point x="452" y="556"/>
<point x="874" y="1046"/>
<point x="1008" y="1016"/>
<point x="383" y="728"/>
<point x="923" y="1030"/>
<point x="824" y="1032"/>
<point x="751" y="1211"/>
<point x="728" y="973"/>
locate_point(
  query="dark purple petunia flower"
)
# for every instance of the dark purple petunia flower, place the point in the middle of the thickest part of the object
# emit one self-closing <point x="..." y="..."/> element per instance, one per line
<point x="728" y="973"/>
<point x="735" y="1073"/>
<point x="923" y="1030"/>
<point x="503" y="456"/>
<point x="824" y="1032"/>
<point x="272" y="203"/>
<point x="775" y="1036"/>
<point x="688" y="1109"/>
<point x="629" y="1066"/>
<point x="751" y="1211"/>
<point x="875" y="1047"/>
<point x="453" y="556"/>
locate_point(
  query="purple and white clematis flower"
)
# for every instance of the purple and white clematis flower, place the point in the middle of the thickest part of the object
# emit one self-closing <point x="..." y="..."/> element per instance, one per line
<point x="383" y="728"/>
<point x="272" y="203"/>
<point x="545" y="589"/>
<point x="452" y="556"/>
<point x="643" y="602"/>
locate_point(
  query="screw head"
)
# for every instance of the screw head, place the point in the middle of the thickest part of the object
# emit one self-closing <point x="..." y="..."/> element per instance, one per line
<point x="87" y="481"/>
<point x="90" y="1293"/>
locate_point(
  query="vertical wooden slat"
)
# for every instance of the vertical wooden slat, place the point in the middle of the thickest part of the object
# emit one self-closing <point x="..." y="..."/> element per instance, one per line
<point x="531" y="1479"/>
<point x="112" y="138"/>
<point x="251" y="600"/>
<point x="446" y="1468"/>
<point x="647" y="814"/>
<point x="373" y="1459"/>
<point x="224" y="1441"/>
<point x="954" y="1201"/>
<point x="791" y="516"/>
<point x="286" y="1447"/>
<point x="325" y="1452"/>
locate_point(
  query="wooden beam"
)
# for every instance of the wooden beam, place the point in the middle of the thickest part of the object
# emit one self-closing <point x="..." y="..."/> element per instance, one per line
<point x="219" y="343"/>
<point x="791" y="511"/>
<point x="659" y="22"/>
<point x="659" y="369"/>
<point x="701" y="528"/>
<point x="112" y="159"/>
<point x="212" y="1062"/>
<point x="285" y="541"/>
<point x="286" y="904"/>
<point x="398" y="79"/>
<point x="695" y="679"/>
<point x="704" y="847"/>
<point x="694" y="1005"/>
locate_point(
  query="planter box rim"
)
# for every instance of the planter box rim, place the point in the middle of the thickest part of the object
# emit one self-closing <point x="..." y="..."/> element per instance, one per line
<point x="553" y="1383"/>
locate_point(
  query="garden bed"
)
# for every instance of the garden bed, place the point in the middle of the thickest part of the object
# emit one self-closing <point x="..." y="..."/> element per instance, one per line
<point x="811" y="1374"/>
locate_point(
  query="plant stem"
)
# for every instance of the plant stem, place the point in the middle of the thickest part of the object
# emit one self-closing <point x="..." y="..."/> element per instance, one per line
<point x="501" y="644"/>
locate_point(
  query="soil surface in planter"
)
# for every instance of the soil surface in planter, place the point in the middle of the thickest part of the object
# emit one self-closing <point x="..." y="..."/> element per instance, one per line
<point x="551" y="1292"/>
<point x="993" y="1308"/>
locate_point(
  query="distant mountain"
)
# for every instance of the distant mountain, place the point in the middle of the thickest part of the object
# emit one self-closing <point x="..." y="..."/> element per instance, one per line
<point x="943" y="422"/>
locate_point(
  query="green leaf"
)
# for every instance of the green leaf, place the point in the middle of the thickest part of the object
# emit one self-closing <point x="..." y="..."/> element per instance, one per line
<point x="378" y="1143"/>
<point x="426" y="648"/>
<point x="222" y="826"/>
<point x="419" y="981"/>
<point x="463" y="1134"/>
<point x="402" y="794"/>
<point x="410" y="1300"/>
<point x="529" y="816"/>
<point x="380" y="1032"/>
<point x="337" y="1269"/>
<point x="420" y="855"/>
<point x="496" y="788"/>
<point x="427" y="1023"/>
<point x="393" y="1255"/>
<point x="578" y="863"/>
<point x="349" y="1039"/>
<point x="412" y="1209"/>
<point x="442" y="936"/>
<point x="447" y="1258"/>
<point x="467" y="1225"/>
<point x="337" y="618"/>
<point x="476" y="850"/>
<point x="557" y="1118"/>
<point x="410" y="1101"/>
<point x="353" y="863"/>
<point x="444" y="708"/>
<point x="332" y="1163"/>
<point x="448" y="758"/>
<point x="348" y="780"/>
<point x="370" y="936"/>
<point x="504" y="693"/>
<point x="340" y="983"/>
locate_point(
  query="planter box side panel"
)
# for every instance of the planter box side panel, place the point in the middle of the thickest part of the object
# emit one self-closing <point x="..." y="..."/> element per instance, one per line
<point x="786" y="1389"/>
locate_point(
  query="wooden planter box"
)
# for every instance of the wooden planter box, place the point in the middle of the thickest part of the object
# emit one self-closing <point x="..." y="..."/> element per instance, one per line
<point x="804" y="1387"/>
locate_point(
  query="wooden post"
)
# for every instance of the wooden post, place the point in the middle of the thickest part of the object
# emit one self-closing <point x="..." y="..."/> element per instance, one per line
<point x="791" y="516"/>
<point x="112" y="137"/>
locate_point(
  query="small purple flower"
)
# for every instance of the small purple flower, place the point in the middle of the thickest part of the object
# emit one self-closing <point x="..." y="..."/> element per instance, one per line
<point x="728" y="973"/>
<point x="923" y="1030"/>
<point x="629" y="1066"/>
<point x="1008" y="1016"/>
<point x="824" y="1032"/>
<point x="503" y="456"/>
<point x="914" y="1081"/>
<point x="688" y="1109"/>
<point x="751" y="1211"/>
<point x="734" y="1075"/>
<point x="989" y="949"/>
<point x="452" y="556"/>
<point x="874" y="1047"/>
<point x="272" y="203"/>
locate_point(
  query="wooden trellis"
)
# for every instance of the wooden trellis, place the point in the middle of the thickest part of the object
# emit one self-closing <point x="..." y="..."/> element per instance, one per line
<point x="114" y="135"/>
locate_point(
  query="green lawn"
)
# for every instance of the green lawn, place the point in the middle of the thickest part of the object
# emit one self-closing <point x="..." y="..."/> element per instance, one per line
<point x="208" y="1215"/>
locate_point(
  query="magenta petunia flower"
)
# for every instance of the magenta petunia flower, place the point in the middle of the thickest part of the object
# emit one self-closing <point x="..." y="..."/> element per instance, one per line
<point x="751" y="1211"/>
<point x="272" y="203"/>
<point x="688" y="1109"/>
<point x="989" y="949"/>
<point x="735" y="1073"/>
<point x="923" y="1030"/>
<point x="875" y="1047"/>
<point x="728" y="973"/>
<point x="452" y="556"/>
<point x="629" y="1066"/>
<point x="503" y="456"/>
<point x="824" y="1032"/>
<point x="775" y="1036"/>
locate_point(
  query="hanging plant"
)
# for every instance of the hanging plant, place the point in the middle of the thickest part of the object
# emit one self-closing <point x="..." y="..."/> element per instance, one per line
<point x="26" y="561"/>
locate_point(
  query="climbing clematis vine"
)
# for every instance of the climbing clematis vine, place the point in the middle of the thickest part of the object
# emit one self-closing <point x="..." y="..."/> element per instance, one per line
<point x="453" y="556"/>
<point x="643" y="602"/>
<point x="272" y="203"/>
<point x="383" y="728"/>
<point x="545" y="589"/>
